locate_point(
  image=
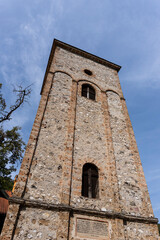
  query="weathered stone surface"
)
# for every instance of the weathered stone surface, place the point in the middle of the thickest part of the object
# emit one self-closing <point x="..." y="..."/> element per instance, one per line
<point x="39" y="224"/>
<point x="141" y="231"/>
<point x="90" y="145"/>
<point x="70" y="130"/>
<point x="8" y="227"/>
<point x="49" y="160"/>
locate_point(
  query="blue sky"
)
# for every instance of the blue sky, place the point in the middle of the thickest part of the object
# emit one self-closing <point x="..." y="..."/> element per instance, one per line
<point x="125" y="32"/>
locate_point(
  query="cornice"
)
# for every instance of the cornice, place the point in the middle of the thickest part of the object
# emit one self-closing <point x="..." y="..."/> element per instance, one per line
<point x="86" y="211"/>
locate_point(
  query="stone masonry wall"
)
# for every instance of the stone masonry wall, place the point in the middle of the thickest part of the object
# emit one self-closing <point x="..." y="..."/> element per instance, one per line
<point x="141" y="231"/>
<point x="90" y="146"/>
<point x="74" y="65"/>
<point x="135" y="154"/>
<point x="106" y="79"/>
<point x="130" y="193"/>
<point x="46" y="174"/>
<point x="69" y="131"/>
<point x="41" y="224"/>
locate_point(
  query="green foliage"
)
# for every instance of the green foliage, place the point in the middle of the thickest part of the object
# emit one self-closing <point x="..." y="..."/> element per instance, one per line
<point x="11" y="143"/>
<point x="11" y="150"/>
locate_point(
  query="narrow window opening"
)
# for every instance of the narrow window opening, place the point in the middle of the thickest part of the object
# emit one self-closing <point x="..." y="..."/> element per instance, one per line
<point x="88" y="91"/>
<point x="124" y="222"/>
<point x="88" y="72"/>
<point x="90" y="181"/>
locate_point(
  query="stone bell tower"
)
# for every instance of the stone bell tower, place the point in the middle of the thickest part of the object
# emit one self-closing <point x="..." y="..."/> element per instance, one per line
<point x="81" y="176"/>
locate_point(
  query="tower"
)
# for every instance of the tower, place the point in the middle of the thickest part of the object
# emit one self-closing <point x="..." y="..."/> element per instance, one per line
<point x="81" y="176"/>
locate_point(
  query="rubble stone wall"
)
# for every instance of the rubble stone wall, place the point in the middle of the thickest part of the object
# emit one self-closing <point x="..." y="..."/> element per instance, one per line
<point x="70" y="130"/>
<point x="41" y="224"/>
<point x="46" y="174"/>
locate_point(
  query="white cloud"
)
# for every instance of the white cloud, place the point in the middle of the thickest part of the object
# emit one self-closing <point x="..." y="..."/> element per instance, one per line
<point x="26" y="57"/>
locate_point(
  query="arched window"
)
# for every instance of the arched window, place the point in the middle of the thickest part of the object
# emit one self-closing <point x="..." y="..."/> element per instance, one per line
<point x="90" y="181"/>
<point x="88" y="91"/>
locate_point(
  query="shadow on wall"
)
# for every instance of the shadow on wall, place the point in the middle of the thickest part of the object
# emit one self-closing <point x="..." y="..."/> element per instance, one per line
<point x="159" y="228"/>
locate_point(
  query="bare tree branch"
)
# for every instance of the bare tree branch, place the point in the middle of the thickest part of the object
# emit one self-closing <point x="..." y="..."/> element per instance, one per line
<point x="22" y="96"/>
